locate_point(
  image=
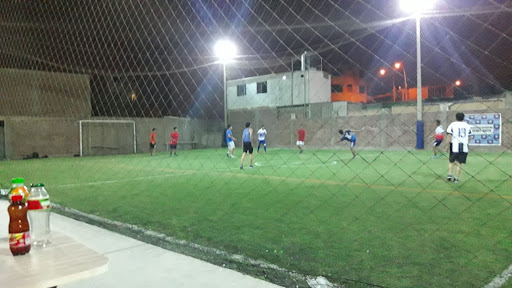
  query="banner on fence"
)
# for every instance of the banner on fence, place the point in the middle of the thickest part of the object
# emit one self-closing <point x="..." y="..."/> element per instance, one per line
<point x="486" y="129"/>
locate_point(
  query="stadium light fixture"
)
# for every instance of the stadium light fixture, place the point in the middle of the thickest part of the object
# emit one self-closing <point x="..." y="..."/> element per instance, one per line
<point x="417" y="8"/>
<point x="382" y="72"/>
<point x="458" y="83"/>
<point x="226" y="51"/>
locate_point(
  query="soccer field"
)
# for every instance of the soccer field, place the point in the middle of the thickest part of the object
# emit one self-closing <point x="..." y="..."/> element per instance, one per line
<point x="386" y="218"/>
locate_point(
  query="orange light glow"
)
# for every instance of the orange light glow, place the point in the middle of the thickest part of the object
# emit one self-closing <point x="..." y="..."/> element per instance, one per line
<point x="398" y="65"/>
<point x="382" y="72"/>
<point x="458" y="83"/>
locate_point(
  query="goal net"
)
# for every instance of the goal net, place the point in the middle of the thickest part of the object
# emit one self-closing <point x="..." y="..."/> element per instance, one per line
<point x="106" y="137"/>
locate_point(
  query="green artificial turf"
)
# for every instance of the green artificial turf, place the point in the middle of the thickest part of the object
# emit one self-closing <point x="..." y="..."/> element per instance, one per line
<point x="387" y="218"/>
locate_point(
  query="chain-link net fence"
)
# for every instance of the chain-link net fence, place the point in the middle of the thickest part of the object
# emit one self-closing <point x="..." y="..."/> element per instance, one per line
<point x="378" y="206"/>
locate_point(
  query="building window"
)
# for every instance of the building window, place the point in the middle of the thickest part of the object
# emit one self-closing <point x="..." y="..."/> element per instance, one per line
<point x="261" y="87"/>
<point x="349" y="88"/>
<point x="336" y="88"/>
<point x="361" y="89"/>
<point x="241" y="90"/>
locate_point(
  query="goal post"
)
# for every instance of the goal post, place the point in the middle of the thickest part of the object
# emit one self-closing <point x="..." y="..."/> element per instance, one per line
<point x="107" y="137"/>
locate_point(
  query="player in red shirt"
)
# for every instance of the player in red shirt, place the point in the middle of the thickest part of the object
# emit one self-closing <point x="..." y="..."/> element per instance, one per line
<point x="152" y="141"/>
<point x="173" y="142"/>
<point x="301" y="135"/>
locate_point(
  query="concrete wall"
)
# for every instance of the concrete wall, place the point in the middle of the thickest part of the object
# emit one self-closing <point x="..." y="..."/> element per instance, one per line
<point x="283" y="89"/>
<point x="44" y="94"/>
<point x="384" y="130"/>
<point x="60" y="136"/>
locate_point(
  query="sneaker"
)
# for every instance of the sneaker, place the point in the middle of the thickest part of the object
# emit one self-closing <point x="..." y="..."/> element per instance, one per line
<point x="449" y="177"/>
<point x="301" y="151"/>
<point x="455" y="180"/>
<point x="227" y="155"/>
<point x="434" y="157"/>
<point x="241" y="167"/>
<point x="231" y="156"/>
<point x="251" y="166"/>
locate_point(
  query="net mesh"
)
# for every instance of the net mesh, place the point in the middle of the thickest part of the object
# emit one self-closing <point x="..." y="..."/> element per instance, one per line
<point x="386" y="217"/>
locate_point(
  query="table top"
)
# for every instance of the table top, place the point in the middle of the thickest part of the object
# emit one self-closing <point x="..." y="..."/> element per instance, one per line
<point x="61" y="262"/>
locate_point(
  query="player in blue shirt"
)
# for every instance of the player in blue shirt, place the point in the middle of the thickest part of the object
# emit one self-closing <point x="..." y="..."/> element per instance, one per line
<point x="230" y="141"/>
<point x="348" y="136"/>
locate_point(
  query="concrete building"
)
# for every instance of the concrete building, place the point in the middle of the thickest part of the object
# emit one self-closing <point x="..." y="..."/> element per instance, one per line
<point x="279" y="90"/>
<point x="349" y="87"/>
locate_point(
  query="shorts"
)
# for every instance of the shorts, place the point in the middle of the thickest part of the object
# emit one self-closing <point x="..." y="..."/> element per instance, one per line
<point x="173" y="146"/>
<point x="300" y="143"/>
<point x="151" y="145"/>
<point x="351" y="140"/>
<point x="261" y="142"/>
<point x="458" y="156"/>
<point x="231" y="145"/>
<point x="438" y="142"/>
<point x="248" y="147"/>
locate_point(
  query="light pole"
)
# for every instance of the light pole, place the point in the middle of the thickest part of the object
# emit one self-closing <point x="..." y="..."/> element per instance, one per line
<point x="399" y="65"/>
<point x="416" y="8"/>
<point x="226" y="51"/>
<point x="382" y="72"/>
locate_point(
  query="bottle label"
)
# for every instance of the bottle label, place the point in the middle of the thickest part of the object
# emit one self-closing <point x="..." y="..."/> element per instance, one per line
<point x="38" y="204"/>
<point x="19" y="239"/>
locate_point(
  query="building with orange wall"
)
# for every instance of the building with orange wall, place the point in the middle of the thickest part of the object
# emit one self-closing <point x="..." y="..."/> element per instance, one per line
<point x="348" y="87"/>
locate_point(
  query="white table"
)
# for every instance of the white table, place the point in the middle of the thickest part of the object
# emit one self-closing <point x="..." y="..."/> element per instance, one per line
<point x="61" y="262"/>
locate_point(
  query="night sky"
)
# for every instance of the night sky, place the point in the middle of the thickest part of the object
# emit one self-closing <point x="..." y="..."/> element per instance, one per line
<point x="163" y="50"/>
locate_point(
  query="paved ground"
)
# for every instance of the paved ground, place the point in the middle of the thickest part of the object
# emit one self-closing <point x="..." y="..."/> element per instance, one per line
<point x="137" y="264"/>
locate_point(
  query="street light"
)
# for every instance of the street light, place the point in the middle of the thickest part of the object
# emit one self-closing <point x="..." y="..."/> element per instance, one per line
<point x="417" y="8"/>
<point x="399" y="65"/>
<point x="458" y="83"/>
<point x="383" y="72"/>
<point x="226" y="51"/>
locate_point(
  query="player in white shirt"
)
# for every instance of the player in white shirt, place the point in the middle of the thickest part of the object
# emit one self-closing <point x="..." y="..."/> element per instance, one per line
<point x="262" y="134"/>
<point x="439" y="137"/>
<point x="457" y="145"/>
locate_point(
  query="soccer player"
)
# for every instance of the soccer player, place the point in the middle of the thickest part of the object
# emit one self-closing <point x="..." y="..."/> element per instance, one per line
<point x="439" y="137"/>
<point x="173" y="142"/>
<point x="457" y="145"/>
<point x="247" y="139"/>
<point x="301" y="136"/>
<point x="262" y="133"/>
<point x="230" y="141"/>
<point x="347" y="136"/>
<point x="152" y="141"/>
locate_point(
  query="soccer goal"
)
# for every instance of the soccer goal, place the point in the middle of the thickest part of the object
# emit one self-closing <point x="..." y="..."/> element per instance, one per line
<point x="107" y="137"/>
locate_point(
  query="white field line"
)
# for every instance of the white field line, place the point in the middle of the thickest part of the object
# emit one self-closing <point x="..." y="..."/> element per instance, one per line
<point x="122" y="180"/>
<point x="499" y="280"/>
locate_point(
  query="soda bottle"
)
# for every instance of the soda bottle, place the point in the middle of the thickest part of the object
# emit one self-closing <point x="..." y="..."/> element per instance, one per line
<point x="18" y="188"/>
<point x="38" y="204"/>
<point x="19" y="229"/>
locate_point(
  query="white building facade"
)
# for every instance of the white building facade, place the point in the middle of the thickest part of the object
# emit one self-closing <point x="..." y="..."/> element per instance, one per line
<point x="279" y="90"/>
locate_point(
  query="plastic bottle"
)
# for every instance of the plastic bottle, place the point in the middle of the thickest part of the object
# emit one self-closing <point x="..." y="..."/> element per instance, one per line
<point x="18" y="188"/>
<point x="19" y="228"/>
<point x="38" y="204"/>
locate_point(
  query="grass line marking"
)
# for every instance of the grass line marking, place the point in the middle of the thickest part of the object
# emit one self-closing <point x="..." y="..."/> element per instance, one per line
<point x="499" y="280"/>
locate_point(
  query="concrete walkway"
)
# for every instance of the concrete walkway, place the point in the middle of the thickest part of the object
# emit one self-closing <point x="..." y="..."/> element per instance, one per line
<point x="138" y="264"/>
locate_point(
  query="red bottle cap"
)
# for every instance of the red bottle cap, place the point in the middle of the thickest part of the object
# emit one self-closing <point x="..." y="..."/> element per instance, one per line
<point x="17" y="198"/>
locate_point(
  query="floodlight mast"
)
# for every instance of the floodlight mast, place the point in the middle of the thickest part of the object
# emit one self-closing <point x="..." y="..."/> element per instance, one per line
<point x="226" y="51"/>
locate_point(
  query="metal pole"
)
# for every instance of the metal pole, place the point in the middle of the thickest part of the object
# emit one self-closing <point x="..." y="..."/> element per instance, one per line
<point x="419" y="122"/>
<point x="394" y="88"/>
<point x="405" y="86"/>
<point x="225" y="95"/>
<point x="303" y="68"/>
<point x="291" y="85"/>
